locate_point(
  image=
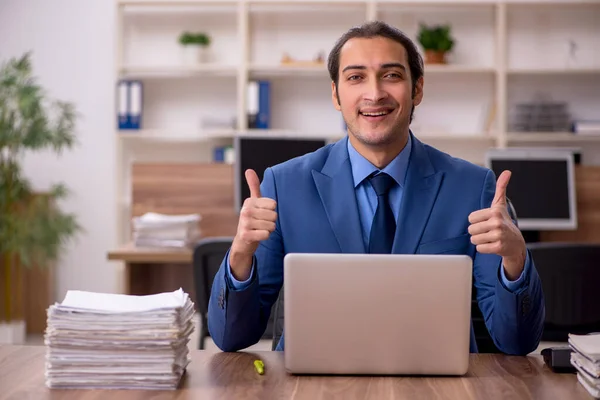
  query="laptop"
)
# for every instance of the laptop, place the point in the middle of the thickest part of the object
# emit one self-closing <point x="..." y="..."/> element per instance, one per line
<point x="370" y="314"/>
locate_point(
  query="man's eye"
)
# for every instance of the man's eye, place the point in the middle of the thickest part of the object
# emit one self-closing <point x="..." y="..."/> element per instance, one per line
<point x="393" y="75"/>
<point x="353" y="77"/>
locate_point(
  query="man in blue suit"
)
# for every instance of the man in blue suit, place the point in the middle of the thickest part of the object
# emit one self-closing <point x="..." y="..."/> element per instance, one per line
<point x="379" y="190"/>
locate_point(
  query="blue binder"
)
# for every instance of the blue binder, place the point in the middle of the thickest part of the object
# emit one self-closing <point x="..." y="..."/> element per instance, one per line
<point x="123" y="105"/>
<point x="129" y="104"/>
<point x="259" y="104"/>
<point x="264" y="105"/>
<point x="135" y="104"/>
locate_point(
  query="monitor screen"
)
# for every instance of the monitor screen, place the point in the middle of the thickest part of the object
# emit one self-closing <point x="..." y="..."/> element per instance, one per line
<point x="541" y="186"/>
<point x="259" y="153"/>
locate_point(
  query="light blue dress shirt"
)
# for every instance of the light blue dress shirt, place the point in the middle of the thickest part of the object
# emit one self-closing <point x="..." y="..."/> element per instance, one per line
<point x="367" y="201"/>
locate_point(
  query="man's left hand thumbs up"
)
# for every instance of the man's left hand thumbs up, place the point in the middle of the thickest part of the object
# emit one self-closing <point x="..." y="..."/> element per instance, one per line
<point x="493" y="231"/>
<point x="501" y="185"/>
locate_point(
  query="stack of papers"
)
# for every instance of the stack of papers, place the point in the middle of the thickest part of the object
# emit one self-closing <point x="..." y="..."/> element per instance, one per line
<point x="113" y="341"/>
<point x="160" y="230"/>
<point x="586" y="358"/>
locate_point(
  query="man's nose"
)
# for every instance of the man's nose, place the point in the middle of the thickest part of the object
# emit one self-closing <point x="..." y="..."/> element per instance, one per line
<point x="375" y="91"/>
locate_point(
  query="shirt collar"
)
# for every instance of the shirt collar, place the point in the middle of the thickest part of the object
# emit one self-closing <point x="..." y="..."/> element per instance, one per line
<point x="362" y="168"/>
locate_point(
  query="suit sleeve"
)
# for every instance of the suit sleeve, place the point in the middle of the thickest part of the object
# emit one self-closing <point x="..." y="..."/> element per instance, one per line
<point x="238" y="314"/>
<point x="514" y="318"/>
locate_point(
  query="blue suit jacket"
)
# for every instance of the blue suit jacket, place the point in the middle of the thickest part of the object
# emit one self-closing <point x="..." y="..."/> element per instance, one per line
<point x="317" y="213"/>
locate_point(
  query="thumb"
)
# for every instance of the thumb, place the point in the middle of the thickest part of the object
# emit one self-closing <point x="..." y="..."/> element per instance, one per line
<point x="501" y="184"/>
<point x="253" y="183"/>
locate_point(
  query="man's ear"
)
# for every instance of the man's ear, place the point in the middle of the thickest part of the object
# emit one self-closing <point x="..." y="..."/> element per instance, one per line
<point x="334" y="97"/>
<point x="418" y="92"/>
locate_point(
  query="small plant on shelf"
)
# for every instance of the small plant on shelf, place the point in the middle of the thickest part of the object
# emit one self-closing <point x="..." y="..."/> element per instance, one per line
<point x="197" y="39"/>
<point x="194" y="46"/>
<point x="437" y="41"/>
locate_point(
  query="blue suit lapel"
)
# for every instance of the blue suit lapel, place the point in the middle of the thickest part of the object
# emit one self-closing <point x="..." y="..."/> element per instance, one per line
<point x="336" y="189"/>
<point x="420" y="191"/>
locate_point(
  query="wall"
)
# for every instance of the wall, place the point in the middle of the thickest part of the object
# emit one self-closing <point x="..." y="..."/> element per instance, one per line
<point x="73" y="57"/>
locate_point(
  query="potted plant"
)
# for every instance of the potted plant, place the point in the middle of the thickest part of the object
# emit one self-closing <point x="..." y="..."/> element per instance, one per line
<point x="194" y="47"/>
<point x="437" y="41"/>
<point x="33" y="230"/>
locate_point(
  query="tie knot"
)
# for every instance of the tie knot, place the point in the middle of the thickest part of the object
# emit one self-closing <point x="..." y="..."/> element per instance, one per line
<point x="382" y="183"/>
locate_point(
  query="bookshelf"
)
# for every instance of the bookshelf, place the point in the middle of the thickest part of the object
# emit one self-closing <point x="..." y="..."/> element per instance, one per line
<point x="507" y="52"/>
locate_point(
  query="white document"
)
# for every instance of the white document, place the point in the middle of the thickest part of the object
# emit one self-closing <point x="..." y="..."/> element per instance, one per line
<point x="124" y="303"/>
<point x="114" y="341"/>
<point x="588" y="345"/>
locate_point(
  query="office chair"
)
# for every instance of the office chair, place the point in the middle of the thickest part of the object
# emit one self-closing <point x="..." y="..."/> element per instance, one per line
<point x="207" y="258"/>
<point x="570" y="273"/>
<point x="485" y="343"/>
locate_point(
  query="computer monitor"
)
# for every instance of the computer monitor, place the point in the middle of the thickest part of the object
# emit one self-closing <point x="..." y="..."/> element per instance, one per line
<point x="541" y="187"/>
<point x="260" y="152"/>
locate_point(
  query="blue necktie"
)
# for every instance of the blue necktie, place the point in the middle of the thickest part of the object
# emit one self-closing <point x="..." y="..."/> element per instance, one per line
<point x="383" y="228"/>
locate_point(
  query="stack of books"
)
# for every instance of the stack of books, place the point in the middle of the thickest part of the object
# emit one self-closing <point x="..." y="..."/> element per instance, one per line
<point x="586" y="359"/>
<point x="113" y="341"/>
<point x="160" y="230"/>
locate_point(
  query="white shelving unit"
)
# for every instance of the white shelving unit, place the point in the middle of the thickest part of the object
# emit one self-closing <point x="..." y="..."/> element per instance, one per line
<point x="506" y="52"/>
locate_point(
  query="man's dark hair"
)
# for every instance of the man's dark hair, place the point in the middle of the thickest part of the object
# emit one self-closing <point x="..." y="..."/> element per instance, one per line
<point x="371" y="30"/>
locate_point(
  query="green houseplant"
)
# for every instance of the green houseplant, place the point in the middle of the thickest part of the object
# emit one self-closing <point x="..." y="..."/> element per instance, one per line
<point x="33" y="230"/>
<point x="437" y="41"/>
<point x="194" y="46"/>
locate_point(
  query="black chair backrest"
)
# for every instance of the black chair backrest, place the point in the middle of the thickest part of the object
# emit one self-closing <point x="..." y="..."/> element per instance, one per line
<point x="484" y="341"/>
<point x="570" y="275"/>
<point x="207" y="258"/>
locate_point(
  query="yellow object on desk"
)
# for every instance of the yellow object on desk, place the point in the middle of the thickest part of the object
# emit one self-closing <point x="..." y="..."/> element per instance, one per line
<point x="259" y="366"/>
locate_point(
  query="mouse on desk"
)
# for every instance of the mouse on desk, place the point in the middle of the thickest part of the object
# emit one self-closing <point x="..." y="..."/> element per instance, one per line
<point x="558" y="359"/>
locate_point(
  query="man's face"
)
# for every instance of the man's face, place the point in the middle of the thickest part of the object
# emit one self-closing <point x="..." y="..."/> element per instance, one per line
<point x="375" y="90"/>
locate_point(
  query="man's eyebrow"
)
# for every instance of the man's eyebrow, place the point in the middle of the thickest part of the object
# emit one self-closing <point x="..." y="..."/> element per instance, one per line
<point x="394" y="65"/>
<point x="354" y="67"/>
<point x="383" y="66"/>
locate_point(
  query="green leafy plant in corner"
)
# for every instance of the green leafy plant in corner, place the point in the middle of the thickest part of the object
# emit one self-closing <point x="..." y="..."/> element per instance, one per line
<point x="198" y="39"/>
<point x="436" y="38"/>
<point x="33" y="230"/>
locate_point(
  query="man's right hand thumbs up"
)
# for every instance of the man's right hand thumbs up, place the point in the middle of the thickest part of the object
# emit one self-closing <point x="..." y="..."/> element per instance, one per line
<point x="257" y="221"/>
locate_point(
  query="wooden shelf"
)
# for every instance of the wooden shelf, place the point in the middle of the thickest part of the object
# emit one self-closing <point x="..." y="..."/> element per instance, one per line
<point x="436" y="3"/>
<point x="550" y="2"/>
<point x="306" y="2"/>
<point x="553" y="71"/>
<point x="178" y="71"/>
<point x="267" y="71"/>
<point x="171" y="3"/>
<point x="455" y="137"/>
<point x="457" y="69"/>
<point x="289" y="133"/>
<point x="550" y="137"/>
<point x="182" y="136"/>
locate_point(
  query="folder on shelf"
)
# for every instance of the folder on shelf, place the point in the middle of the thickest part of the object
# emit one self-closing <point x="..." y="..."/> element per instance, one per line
<point x="135" y="104"/>
<point x="259" y="104"/>
<point x="123" y="105"/>
<point x="129" y="104"/>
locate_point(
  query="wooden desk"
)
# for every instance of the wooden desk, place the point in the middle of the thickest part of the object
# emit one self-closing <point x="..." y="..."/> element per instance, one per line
<point x="155" y="270"/>
<point x="232" y="376"/>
